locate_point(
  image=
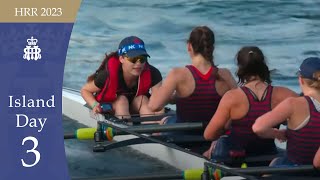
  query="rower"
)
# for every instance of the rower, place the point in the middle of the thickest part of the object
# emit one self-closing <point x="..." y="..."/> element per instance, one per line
<point x="123" y="81"/>
<point x="196" y="88"/>
<point x="316" y="160"/>
<point x="302" y="115"/>
<point x="240" y="107"/>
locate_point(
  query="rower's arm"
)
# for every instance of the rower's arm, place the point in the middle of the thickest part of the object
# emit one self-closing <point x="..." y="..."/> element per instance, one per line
<point x="265" y="123"/>
<point x="87" y="93"/>
<point x="155" y="87"/>
<point x="220" y="119"/>
<point x="161" y="96"/>
<point x="316" y="160"/>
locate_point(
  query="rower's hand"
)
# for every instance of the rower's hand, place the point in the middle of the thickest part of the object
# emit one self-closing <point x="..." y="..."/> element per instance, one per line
<point x="97" y="109"/>
<point x="163" y="120"/>
<point x="280" y="135"/>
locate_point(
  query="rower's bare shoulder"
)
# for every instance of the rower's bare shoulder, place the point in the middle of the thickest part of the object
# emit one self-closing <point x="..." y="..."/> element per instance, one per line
<point x="178" y="74"/>
<point x="224" y="72"/>
<point x="228" y="78"/>
<point x="293" y="103"/>
<point x="233" y="96"/>
<point x="174" y="72"/>
<point x="177" y="71"/>
<point x="284" y="92"/>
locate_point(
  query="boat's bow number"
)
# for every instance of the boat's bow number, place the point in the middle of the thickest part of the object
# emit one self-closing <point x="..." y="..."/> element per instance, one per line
<point x="33" y="150"/>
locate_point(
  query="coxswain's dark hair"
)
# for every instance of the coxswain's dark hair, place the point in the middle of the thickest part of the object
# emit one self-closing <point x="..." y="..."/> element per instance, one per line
<point x="103" y="64"/>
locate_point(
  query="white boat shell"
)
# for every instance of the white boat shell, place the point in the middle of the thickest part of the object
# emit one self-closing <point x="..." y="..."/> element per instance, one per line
<point x="73" y="107"/>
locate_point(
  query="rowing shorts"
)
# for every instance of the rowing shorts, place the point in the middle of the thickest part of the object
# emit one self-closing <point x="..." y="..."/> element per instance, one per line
<point x="221" y="149"/>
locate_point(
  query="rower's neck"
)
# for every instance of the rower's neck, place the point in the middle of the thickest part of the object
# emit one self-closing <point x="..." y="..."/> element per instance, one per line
<point x="130" y="80"/>
<point x="312" y="92"/>
<point x="255" y="83"/>
<point x="201" y="63"/>
<point x="253" y="79"/>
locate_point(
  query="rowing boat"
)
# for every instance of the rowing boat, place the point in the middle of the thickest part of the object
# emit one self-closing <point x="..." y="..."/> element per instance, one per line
<point x="73" y="106"/>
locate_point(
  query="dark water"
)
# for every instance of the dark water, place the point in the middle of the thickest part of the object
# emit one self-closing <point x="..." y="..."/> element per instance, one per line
<point x="287" y="32"/>
<point x="83" y="162"/>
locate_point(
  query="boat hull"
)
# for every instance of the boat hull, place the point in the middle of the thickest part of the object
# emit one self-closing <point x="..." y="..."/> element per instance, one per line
<point x="73" y="107"/>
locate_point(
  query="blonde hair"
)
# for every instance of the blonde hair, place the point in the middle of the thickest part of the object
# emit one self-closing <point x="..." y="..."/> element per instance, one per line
<point x="315" y="82"/>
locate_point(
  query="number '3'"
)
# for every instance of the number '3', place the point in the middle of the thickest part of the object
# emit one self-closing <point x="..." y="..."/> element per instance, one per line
<point x="35" y="152"/>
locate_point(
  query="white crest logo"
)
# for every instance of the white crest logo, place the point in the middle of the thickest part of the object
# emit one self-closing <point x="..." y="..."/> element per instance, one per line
<point x="32" y="51"/>
<point x="131" y="47"/>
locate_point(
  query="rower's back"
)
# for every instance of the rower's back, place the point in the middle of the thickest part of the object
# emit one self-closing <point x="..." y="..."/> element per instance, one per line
<point x="198" y="101"/>
<point x="254" y="98"/>
<point x="200" y="86"/>
<point x="303" y="132"/>
<point x="239" y="108"/>
<point x="196" y="88"/>
<point x="302" y="115"/>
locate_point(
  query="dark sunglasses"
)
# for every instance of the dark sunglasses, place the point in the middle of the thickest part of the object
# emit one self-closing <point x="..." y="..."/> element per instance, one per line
<point x="141" y="59"/>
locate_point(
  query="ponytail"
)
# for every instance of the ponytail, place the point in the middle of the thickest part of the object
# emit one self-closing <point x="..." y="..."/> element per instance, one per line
<point x="102" y="65"/>
<point x="251" y="62"/>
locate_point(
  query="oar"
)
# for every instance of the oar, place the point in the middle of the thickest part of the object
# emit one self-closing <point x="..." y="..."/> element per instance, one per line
<point x="173" y="146"/>
<point x="145" y="177"/>
<point x="148" y="118"/>
<point x="127" y="130"/>
<point x="250" y="172"/>
<point x="301" y="169"/>
<point x="145" y="117"/>
<point x="88" y="133"/>
<point x="195" y="174"/>
<point x="227" y="170"/>
<point x="136" y="118"/>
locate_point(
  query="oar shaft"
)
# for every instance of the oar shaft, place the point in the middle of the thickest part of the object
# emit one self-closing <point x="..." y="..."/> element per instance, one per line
<point x="69" y="136"/>
<point x="161" y="128"/>
<point x="143" y="177"/>
<point x="276" y="170"/>
<point x="88" y="133"/>
<point x="257" y="171"/>
<point x="148" y="118"/>
<point x="248" y="171"/>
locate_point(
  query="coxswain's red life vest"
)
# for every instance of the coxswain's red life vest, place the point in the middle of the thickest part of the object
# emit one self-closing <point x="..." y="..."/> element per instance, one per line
<point x="109" y="91"/>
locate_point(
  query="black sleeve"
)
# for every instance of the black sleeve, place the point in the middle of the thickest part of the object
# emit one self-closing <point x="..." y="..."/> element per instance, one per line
<point x="156" y="76"/>
<point x="100" y="78"/>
